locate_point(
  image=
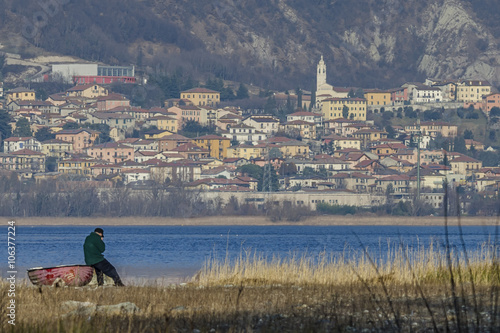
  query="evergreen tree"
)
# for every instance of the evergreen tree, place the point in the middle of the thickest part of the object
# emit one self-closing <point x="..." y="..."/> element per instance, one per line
<point x="299" y="98"/>
<point x="242" y="92"/>
<point x="345" y="112"/>
<point x="23" y="128"/>
<point x="459" y="145"/>
<point x="44" y="134"/>
<point x="313" y="99"/>
<point x="5" y="129"/>
<point x="270" y="106"/>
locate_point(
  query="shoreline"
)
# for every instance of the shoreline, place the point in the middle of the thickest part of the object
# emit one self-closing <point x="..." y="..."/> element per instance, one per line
<point x="330" y="220"/>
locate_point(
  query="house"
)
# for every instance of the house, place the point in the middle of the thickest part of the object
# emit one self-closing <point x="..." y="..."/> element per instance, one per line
<point x="243" y="133"/>
<point x="218" y="172"/>
<point x="113" y="120"/>
<point x="172" y="141"/>
<point x="399" y="96"/>
<point x="41" y="106"/>
<point x="376" y="98"/>
<point x="164" y="123"/>
<point x="310" y="117"/>
<point x="357" y="182"/>
<point x="339" y="142"/>
<point x="191" y="151"/>
<point x="326" y="163"/>
<point x="81" y="138"/>
<point x="469" y="144"/>
<point x="399" y="183"/>
<point x="56" y="148"/>
<point x="156" y="134"/>
<point x="433" y="129"/>
<point x="339" y="126"/>
<point x="426" y="94"/>
<point x="304" y="129"/>
<point x="293" y="148"/>
<point x="489" y="102"/>
<point x="472" y="91"/>
<point x="134" y="175"/>
<point x="247" y="152"/>
<point x="387" y="149"/>
<point x="216" y="145"/>
<point x="87" y="91"/>
<point x="111" y="101"/>
<point x="465" y="165"/>
<point x="351" y="108"/>
<point x="263" y="123"/>
<point x="185" y="113"/>
<point x="367" y="136"/>
<point x="111" y="151"/>
<point x="201" y="96"/>
<point x="177" y="171"/>
<point x="77" y="166"/>
<point x="26" y="159"/>
<point x="19" y="94"/>
<point x="18" y="143"/>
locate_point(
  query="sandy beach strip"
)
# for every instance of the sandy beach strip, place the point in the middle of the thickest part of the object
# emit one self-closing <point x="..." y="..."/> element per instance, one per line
<point x="330" y="220"/>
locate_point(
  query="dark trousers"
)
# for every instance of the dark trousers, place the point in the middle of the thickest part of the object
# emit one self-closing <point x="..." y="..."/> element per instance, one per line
<point x="105" y="267"/>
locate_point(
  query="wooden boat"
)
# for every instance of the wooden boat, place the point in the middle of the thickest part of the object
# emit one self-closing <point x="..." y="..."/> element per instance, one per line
<point x="69" y="275"/>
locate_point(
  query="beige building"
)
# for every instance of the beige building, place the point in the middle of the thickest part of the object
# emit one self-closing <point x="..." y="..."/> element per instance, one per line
<point x="465" y="165"/>
<point x="333" y="108"/>
<point x="433" y="128"/>
<point x="247" y="152"/>
<point x="19" y="94"/>
<point x="56" y="148"/>
<point x="376" y="97"/>
<point x="87" y="91"/>
<point x="201" y="96"/>
<point x="472" y="91"/>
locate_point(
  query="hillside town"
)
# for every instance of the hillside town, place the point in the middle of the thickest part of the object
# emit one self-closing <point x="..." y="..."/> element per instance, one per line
<point x="333" y="147"/>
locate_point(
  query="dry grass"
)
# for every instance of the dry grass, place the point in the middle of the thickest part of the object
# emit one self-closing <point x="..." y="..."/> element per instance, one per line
<point x="405" y="291"/>
<point x="259" y="220"/>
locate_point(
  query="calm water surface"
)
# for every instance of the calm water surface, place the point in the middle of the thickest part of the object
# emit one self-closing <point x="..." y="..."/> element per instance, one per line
<point x="180" y="251"/>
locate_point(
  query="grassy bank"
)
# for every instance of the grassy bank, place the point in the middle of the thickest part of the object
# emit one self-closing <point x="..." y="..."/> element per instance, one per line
<point x="408" y="290"/>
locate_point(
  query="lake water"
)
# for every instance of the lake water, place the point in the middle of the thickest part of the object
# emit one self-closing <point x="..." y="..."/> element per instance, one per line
<point x="177" y="252"/>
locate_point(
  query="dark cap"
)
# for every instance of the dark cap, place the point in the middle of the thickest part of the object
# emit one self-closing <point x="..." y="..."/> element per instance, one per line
<point x="99" y="230"/>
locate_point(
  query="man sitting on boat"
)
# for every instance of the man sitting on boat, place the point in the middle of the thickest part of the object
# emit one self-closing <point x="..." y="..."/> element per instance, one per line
<point x="93" y="248"/>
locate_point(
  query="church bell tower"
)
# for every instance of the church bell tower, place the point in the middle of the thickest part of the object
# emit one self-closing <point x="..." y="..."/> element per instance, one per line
<point x="321" y="74"/>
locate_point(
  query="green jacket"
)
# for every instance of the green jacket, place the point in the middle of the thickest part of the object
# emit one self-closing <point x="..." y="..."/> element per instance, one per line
<point x="93" y="249"/>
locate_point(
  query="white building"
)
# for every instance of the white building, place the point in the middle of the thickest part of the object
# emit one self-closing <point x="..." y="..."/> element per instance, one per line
<point x="266" y="124"/>
<point x="325" y="90"/>
<point x="244" y="133"/>
<point x="18" y="143"/>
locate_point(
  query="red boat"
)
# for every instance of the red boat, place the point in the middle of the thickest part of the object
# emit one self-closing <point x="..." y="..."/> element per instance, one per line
<point x="71" y="275"/>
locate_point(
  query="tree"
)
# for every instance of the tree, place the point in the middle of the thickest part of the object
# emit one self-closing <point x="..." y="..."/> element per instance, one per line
<point x="71" y="125"/>
<point x="5" y="129"/>
<point x="299" y="97"/>
<point x="495" y="112"/>
<point x="468" y="134"/>
<point x="44" y="134"/>
<point x="459" y="145"/>
<point x="270" y="106"/>
<point x="391" y="133"/>
<point x="50" y="164"/>
<point x="345" y="112"/>
<point x="242" y="92"/>
<point x="23" y="128"/>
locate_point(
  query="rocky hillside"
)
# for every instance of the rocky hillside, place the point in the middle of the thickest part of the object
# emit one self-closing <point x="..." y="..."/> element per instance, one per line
<point x="271" y="43"/>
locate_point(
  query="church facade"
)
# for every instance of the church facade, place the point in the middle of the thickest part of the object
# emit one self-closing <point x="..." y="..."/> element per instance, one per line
<point x="325" y="90"/>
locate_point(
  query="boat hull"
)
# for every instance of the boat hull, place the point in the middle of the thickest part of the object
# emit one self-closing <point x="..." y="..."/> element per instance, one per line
<point x="71" y="275"/>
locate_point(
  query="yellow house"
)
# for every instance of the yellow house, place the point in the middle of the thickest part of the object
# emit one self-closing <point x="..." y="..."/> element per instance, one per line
<point x="294" y="148"/>
<point x="216" y="145"/>
<point x="19" y="94"/>
<point x="202" y="96"/>
<point x="56" y="148"/>
<point x="333" y="108"/>
<point x="156" y="134"/>
<point x="87" y="90"/>
<point x="303" y="128"/>
<point x="465" y="165"/>
<point x="247" y="152"/>
<point x="472" y="91"/>
<point x="77" y="166"/>
<point x="376" y="97"/>
<point x="164" y="123"/>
